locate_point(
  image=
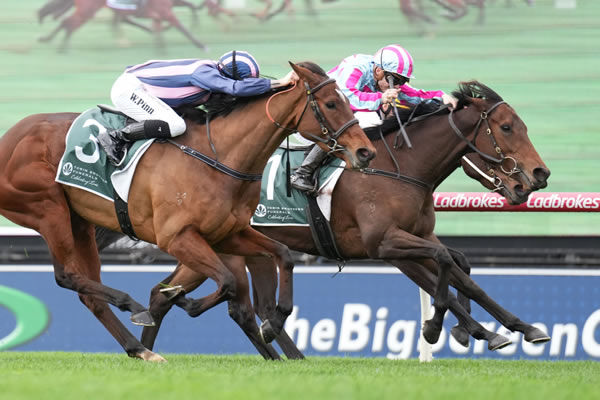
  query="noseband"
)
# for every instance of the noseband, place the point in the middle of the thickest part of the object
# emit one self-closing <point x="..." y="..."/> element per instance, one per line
<point x="330" y="139"/>
<point x="501" y="161"/>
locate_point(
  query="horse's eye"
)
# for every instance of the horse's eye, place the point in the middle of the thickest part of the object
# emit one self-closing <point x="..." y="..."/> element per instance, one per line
<point x="505" y="128"/>
<point x="330" y="105"/>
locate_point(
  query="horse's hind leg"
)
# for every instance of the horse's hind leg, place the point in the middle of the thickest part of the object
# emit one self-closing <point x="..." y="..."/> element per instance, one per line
<point x="401" y="245"/>
<point x="459" y="332"/>
<point x="264" y="288"/>
<point x="90" y="271"/>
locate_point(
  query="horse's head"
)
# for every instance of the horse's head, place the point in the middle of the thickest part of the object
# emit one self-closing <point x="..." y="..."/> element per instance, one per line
<point x="497" y="181"/>
<point x="327" y="119"/>
<point x="501" y="142"/>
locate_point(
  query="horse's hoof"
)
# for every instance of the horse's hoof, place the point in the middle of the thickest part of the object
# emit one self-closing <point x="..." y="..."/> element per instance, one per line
<point x="498" y="342"/>
<point x="431" y="333"/>
<point x="461" y="335"/>
<point x="148" y="355"/>
<point x="143" y="318"/>
<point x="534" y="335"/>
<point x="267" y="333"/>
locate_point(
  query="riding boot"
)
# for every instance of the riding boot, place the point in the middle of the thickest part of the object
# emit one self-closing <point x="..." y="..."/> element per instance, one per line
<point x="302" y="179"/>
<point x="113" y="141"/>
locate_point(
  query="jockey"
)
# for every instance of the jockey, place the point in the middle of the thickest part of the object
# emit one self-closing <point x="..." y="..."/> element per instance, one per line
<point x="148" y="93"/>
<point x="364" y="80"/>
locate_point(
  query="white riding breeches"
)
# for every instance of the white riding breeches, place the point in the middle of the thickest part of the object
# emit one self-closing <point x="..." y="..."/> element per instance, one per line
<point x="129" y="96"/>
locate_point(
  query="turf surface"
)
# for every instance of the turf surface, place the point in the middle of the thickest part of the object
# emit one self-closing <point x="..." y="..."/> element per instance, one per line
<point x="107" y="376"/>
<point x="544" y="61"/>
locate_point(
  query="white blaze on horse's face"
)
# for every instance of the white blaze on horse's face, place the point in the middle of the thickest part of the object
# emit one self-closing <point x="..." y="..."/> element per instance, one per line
<point x="344" y="98"/>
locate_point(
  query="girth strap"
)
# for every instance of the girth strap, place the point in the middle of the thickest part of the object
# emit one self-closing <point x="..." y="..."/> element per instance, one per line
<point x="321" y="231"/>
<point x="123" y="216"/>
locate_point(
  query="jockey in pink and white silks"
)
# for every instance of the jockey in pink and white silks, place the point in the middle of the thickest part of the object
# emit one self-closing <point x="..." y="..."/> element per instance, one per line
<point x="148" y="92"/>
<point x="364" y="80"/>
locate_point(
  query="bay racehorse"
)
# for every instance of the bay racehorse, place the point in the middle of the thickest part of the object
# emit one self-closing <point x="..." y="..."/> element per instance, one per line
<point x="390" y="216"/>
<point x="158" y="11"/>
<point x="186" y="207"/>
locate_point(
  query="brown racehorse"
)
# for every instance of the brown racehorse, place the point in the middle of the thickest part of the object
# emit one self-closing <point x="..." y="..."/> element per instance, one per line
<point x="380" y="217"/>
<point x="184" y="206"/>
<point x="158" y="11"/>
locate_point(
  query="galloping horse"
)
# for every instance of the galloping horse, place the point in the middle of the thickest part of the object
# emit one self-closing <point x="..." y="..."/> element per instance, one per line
<point x="389" y="216"/>
<point x="156" y="10"/>
<point x="186" y="207"/>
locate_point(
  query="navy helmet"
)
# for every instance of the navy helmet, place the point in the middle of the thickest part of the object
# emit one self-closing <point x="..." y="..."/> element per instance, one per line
<point x="239" y="65"/>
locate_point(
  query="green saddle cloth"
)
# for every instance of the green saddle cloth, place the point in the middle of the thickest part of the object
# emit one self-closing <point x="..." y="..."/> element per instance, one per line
<point x="84" y="164"/>
<point x="275" y="208"/>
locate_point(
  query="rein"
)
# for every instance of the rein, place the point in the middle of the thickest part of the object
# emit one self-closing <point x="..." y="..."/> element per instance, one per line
<point x="331" y="138"/>
<point x="216" y="164"/>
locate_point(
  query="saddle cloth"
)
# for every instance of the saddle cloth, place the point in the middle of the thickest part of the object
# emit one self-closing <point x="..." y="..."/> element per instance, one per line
<point x="85" y="166"/>
<point x="275" y="208"/>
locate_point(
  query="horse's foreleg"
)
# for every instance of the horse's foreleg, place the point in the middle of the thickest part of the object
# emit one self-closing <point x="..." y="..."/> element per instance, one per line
<point x="264" y="289"/>
<point x="184" y="280"/>
<point x="250" y="242"/>
<point x="426" y="280"/>
<point x="164" y="295"/>
<point x="191" y="249"/>
<point x="241" y="310"/>
<point x="463" y="282"/>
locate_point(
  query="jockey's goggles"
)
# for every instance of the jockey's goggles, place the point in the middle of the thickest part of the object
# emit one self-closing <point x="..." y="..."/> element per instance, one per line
<point x="398" y="80"/>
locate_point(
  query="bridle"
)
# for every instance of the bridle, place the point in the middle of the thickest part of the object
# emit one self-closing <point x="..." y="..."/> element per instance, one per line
<point x="483" y="117"/>
<point x="330" y="139"/>
<point x="501" y="160"/>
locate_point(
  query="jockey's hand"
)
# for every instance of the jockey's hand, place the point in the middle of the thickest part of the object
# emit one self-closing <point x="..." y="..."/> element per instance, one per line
<point x="389" y="96"/>
<point x="287" y="80"/>
<point x="450" y="100"/>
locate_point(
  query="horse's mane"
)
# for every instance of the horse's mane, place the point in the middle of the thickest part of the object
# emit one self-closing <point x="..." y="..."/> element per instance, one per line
<point x="390" y="122"/>
<point x="474" y="89"/>
<point x="465" y="93"/>
<point x="220" y="104"/>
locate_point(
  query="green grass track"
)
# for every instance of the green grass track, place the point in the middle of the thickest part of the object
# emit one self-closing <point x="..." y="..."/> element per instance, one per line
<point x="76" y="376"/>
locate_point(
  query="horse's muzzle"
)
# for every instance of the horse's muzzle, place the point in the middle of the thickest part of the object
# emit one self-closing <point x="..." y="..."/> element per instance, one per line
<point x="541" y="175"/>
<point x="363" y="156"/>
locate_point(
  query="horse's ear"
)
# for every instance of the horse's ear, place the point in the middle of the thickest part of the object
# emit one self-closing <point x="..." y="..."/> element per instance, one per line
<point x="294" y="67"/>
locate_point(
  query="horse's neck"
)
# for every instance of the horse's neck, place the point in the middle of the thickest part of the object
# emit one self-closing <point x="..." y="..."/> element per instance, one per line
<point x="436" y="148"/>
<point x="244" y="140"/>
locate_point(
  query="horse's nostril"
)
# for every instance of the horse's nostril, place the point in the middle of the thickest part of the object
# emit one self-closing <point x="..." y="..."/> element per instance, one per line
<point x="541" y="174"/>
<point x="364" y="154"/>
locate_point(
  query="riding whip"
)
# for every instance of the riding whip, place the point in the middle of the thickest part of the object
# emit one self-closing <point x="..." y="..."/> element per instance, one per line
<point x="404" y="134"/>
